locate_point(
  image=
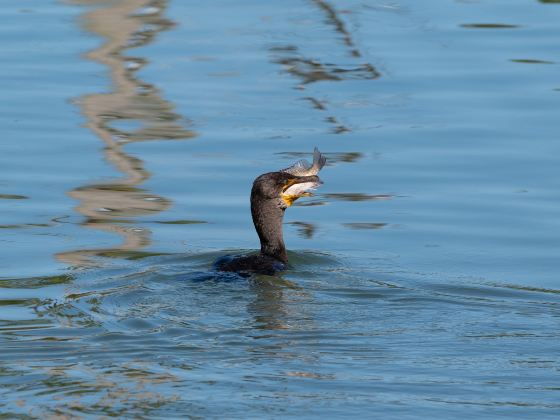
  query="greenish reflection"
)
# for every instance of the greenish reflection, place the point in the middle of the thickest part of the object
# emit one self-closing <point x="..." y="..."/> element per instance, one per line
<point x="132" y="111"/>
<point x="12" y="197"/>
<point x="128" y="254"/>
<point x="24" y="225"/>
<point x="35" y="282"/>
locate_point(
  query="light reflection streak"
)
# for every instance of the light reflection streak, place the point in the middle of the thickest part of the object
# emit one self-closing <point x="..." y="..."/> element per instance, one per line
<point x="110" y="206"/>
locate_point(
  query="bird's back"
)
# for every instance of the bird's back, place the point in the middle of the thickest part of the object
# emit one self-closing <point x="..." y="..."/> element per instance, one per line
<point x="250" y="264"/>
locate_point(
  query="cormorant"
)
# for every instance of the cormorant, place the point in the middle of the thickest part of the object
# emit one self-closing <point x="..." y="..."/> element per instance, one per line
<point x="271" y="195"/>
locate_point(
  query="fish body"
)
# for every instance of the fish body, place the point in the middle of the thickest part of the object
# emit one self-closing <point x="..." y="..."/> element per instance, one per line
<point x="304" y="168"/>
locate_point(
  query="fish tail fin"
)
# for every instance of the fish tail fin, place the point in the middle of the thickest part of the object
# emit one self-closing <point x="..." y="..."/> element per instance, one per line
<point x="319" y="159"/>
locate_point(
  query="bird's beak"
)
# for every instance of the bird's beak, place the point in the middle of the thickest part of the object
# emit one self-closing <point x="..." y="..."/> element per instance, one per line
<point x="300" y="187"/>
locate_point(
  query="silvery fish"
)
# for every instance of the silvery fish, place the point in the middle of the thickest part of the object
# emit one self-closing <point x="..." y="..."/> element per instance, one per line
<point x="303" y="168"/>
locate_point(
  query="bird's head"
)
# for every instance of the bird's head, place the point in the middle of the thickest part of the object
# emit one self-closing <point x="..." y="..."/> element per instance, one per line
<point x="284" y="188"/>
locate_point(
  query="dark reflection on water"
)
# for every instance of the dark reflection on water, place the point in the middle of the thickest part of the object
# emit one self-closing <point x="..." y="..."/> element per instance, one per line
<point x="314" y="69"/>
<point x="311" y="71"/>
<point x="310" y="203"/>
<point x="268" y="309"/>
<point x="365" y="225"/>
<point x="12" y="197"/>
<point x="133" y="111"/>
<point x="25" y="225"/>
<point x="531" y="61"/>
<point x="333" y="17"/>
<point x="357" y="196"/>
<point x="489" y="26"/>
<point x="305" y="229"/>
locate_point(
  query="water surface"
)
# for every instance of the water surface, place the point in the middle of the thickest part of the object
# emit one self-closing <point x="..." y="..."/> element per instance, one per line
<point x="424" y="273"/>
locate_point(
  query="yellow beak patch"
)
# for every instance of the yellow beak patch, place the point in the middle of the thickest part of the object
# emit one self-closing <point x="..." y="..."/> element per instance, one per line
<point x="289" y="199"/>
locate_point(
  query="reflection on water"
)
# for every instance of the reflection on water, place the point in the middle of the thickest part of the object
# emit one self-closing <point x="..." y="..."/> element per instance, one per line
<point x="365" y="225"/>
<point x="489" y="25"/>
<point x="110" y="391"/>
<point x="12" y="197"/>
<point x="133" y="111"/>
<point x="353" y="197"/>
<point x="305" y="229"/>
<point x="357" y="196"/>
<point x="531" y="61"/>
<point x="334" y="19"/>
<point x="35" y="282"/>
<point x="313" y="69"/>
<point x="268" y="309"/>
<point x="24" y="225"/>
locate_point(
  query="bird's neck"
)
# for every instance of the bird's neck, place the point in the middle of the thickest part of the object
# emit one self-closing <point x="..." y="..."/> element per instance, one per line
<point x="267" y="218"/>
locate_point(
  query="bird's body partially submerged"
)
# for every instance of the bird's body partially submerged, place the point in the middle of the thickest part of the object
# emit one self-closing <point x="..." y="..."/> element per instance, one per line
<point x="271" y="195"/>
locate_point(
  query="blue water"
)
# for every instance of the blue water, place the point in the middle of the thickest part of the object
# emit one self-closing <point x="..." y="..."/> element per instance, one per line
<point x="424" y="272"/>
